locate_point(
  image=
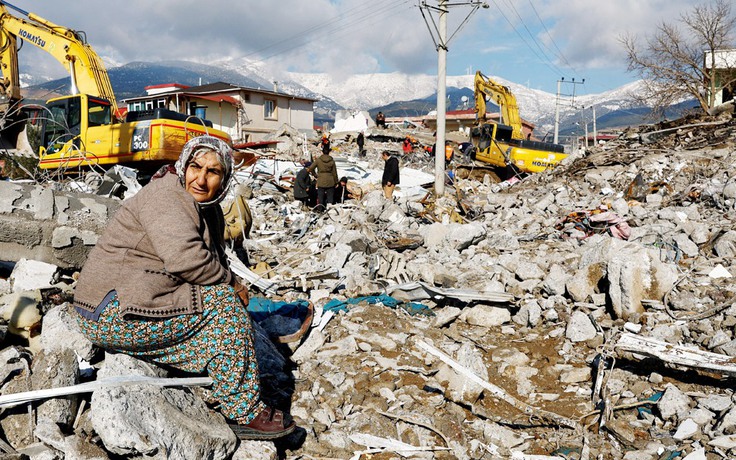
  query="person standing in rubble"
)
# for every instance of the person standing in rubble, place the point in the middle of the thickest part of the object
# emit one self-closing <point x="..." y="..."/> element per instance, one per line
<point x="361" y="142"/>
<point x="325" y="143"/>
<point x="381" y="120"/>
<point x="157" y="286"/>
<point x="326" y="173"/>
<point x="390" y="174"/>
<point x="303" y="184"/>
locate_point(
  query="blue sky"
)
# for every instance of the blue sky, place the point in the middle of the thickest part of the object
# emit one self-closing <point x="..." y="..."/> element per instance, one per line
<point x="531" y="42"/>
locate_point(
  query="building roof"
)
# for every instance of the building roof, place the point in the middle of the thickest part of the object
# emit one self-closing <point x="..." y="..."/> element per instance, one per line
<point x="210" y="89"/>
<point x="214" y="97"/>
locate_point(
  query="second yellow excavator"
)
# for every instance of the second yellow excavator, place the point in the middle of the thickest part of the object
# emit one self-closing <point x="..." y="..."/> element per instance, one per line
<point x="84" y="128"/>
<point x="503" y="144"/>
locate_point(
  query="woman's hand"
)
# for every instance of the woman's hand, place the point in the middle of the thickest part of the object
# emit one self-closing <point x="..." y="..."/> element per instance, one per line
<point x="242" y="292"/>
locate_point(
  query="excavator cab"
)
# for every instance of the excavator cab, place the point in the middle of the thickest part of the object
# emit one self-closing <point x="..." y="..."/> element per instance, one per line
<point x="68" y="127"/>
<point x="62" y="124"/>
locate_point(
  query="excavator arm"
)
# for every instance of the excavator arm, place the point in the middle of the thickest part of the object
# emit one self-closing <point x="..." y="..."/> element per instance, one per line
<point x="69" y="47"/>
<point x="502" y="96"/>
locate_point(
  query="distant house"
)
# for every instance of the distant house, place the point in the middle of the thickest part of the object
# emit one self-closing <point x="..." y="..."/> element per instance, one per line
<point x="725" y="71"/>
<point x="455" y="120"/>
<point x="247" y="114"/>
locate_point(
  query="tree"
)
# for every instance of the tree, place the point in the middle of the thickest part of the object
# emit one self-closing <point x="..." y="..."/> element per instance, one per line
<point x="672" y="63"/>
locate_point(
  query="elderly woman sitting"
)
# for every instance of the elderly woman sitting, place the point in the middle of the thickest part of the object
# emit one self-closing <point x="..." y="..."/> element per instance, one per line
<point x="157" y="286"/>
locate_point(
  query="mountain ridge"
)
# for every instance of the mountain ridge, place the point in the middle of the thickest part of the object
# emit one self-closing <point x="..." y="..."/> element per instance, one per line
<point x="369" y="92"/>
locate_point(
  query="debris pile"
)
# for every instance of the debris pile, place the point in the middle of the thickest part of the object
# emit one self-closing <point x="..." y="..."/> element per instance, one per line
<point x="585" y="312"/>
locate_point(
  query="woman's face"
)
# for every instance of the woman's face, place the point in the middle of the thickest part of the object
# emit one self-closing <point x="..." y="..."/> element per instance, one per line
<point x="203" y="177"/>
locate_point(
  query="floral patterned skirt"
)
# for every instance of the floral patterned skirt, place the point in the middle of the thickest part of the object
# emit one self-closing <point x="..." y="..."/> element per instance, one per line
<point x="219" y="340"/>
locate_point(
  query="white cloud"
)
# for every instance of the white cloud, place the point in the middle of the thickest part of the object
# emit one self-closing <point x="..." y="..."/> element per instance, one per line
<point x="347" y="37"/>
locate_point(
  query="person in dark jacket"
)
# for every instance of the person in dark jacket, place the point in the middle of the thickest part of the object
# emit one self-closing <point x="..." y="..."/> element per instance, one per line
<point x="381" y="120"/>
<point x="303" y="184"/>
<point x="341" y="191"/>
<point x="158" y="286"/>
<point x="326" y="173"/>
<point x="361" y="142"/>
<point x="390" y="174"/>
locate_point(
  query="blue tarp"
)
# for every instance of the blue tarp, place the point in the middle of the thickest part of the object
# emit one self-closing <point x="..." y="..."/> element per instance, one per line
<point x="412" y="308"/>
<point x="278" y="318"/>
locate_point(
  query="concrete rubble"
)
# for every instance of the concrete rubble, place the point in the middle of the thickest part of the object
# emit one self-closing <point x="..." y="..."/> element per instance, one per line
<point x="585" y="312"/>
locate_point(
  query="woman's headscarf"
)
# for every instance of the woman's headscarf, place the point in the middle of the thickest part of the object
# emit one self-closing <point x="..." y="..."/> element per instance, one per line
<point x="199" y="145"/>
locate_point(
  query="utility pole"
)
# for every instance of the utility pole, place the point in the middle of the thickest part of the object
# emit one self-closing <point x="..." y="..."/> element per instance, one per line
<point x="557" y="110"/>
<point x="441" y="45"/>
<point x="439" y="145"/>
<point x="585" y="124"/>
<point x="595" y="131"/>
<point x="557" y="101"/>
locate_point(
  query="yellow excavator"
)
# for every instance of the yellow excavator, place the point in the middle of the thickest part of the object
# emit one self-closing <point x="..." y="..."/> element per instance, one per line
<point x="503" y="144"/>
<point x="84" y="128"/>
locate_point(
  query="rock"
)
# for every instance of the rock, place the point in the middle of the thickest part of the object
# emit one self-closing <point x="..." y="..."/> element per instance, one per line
<point x="143" y="419"/>
<point x="635" y="274"/>
<point x="29" y="275"/>
<point x="715" y="403"/>
<point x="55" y="370"/>
<point x="697" y="454"/>
<point x="726" y="442"/>
<point x="725" y="245"/>
<point x="576" y="375"/>
<point x="458" y="385"/>
<point x="60" y="332"/>
<point x="580" y="328"/>
<point x="673" y="403"/>
<point x="486" y="316"/>
<point x="584" y="282"/>
<point x="687" y="429"/>
<point x="555" y="281"/>
<point x="727" y="425"/>
<point x="529" y="314"/>
<point x="446" y="315"/>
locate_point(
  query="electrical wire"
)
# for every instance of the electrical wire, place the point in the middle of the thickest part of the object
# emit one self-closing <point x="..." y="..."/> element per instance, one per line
<point x="559" y="53"/>
<point x="531" y="35"/>
<point x="358" y="17"/>
<point x="544" y="61"/>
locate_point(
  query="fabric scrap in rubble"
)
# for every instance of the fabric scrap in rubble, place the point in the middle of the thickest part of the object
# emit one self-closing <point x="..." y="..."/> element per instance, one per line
<point x="596" y="221"/>
<point x="412" y="308"/>
<point x="282" y="321"/>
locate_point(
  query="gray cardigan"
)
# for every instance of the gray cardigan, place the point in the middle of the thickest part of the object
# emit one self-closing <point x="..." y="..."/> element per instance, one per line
<point x="156" y="251"/>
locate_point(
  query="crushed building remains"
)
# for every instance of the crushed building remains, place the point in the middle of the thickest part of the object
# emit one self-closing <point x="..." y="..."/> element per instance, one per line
<point x="583" y="312"/>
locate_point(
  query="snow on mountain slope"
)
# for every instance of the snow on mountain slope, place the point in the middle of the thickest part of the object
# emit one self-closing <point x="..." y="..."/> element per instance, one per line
<point x="365" y="92"/>
<point x="369" y="91"/>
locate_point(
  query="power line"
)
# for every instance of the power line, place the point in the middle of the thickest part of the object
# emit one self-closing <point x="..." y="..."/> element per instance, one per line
<point x="544" y="61"/>
<point x="302" y="33"/>
<point x="559" y="53"/>
<point x="531" y="35"/>
<point x="355" y="17"/>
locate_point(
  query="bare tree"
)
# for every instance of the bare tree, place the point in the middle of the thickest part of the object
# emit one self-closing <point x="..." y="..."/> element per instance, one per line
<point x="672" y="62"/>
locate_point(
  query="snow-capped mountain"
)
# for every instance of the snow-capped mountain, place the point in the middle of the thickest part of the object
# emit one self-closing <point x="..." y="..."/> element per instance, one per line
<point x="371" y="91"/>
<point x="364" y="92"/>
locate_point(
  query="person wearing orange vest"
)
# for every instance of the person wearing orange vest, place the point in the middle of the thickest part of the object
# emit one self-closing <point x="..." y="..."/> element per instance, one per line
<point x="407" y="146"/>
<point x="449" y="153"/>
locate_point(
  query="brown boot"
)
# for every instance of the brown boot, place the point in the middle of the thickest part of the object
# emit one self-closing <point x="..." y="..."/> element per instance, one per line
<point x="269" y="424"/>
